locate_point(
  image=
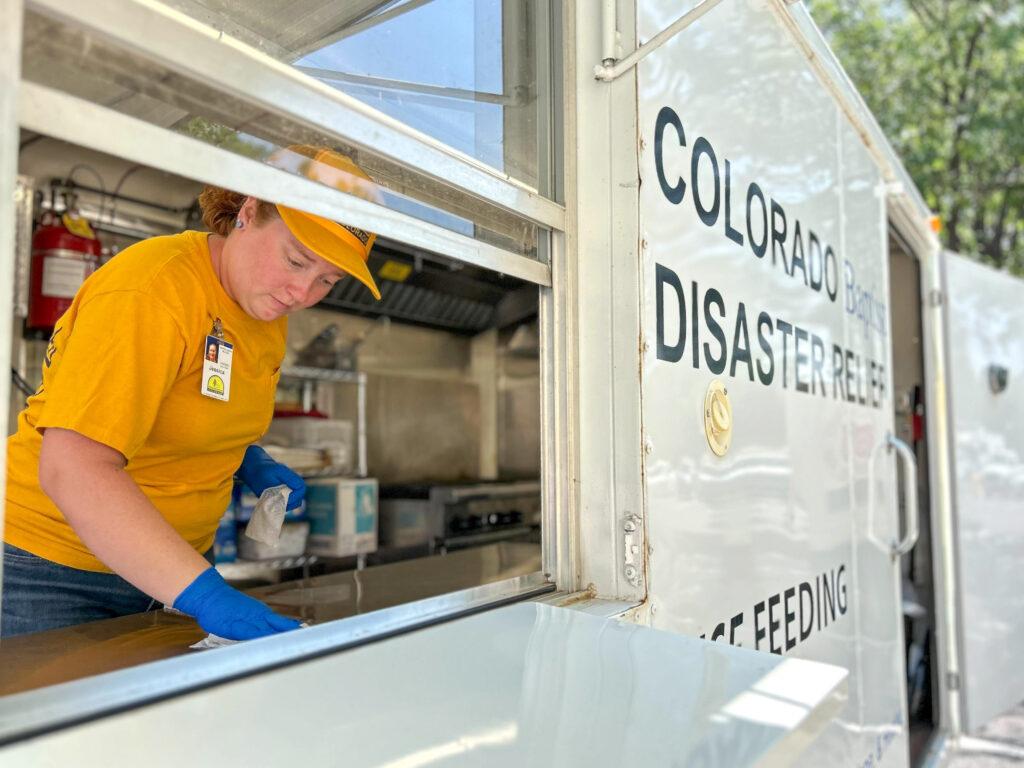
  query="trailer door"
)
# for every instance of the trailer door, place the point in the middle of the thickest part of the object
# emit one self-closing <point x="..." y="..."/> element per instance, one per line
<point x="766" y="375"/>
<point x="986" y="340"/>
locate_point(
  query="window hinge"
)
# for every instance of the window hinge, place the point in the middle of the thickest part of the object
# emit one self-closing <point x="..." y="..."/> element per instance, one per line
<point x="631" y="549"/>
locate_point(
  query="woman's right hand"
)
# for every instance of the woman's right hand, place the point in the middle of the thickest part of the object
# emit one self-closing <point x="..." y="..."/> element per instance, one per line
<point x="222" y="610"/>
<point x="259" y="472"/>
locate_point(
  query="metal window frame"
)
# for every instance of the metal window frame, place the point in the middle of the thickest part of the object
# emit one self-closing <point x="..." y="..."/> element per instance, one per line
<point x="33" y="713"/>
<point x="193" y="49"/>
<point x="559" y="526"/>
<point x="10" y="76"/>
<point x="80" y="122"/>
<point x="602" y="307"/>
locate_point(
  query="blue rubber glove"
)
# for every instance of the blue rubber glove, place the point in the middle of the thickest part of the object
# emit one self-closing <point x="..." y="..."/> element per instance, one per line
<point x="259" y="472"/>
<point x="224" y="611"/>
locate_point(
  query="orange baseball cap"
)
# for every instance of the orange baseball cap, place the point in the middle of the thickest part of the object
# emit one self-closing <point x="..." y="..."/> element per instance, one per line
<point x="343" y="246"/>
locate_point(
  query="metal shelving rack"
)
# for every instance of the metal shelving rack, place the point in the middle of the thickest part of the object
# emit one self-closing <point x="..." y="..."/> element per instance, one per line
<point x="311" y="376"/>
<point x="241" y="570"/>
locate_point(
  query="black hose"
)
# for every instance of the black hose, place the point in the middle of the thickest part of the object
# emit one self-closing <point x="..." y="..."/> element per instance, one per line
<point x="27" y="389"/>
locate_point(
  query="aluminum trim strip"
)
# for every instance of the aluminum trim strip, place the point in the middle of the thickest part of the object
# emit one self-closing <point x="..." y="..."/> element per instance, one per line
<point x="368" y="23"/>
<point x="28" y="714"/>
<point x="810" y="40"/>
<point x="559" y="541"/>
<point x="949" y="639"/>
<point x="10" y="74"/>
<point x="585" y="602"/>
<point x="606" y="73"/>
<point x="74" y="120"/>
<point x="212" y="57"/>
<point x="23" y="244"/>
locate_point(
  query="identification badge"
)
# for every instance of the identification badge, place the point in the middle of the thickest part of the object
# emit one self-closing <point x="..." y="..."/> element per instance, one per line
<point x="216" y="381"/>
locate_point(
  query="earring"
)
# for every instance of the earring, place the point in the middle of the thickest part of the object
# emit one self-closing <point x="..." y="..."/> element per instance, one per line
<point x="238" y="223"/>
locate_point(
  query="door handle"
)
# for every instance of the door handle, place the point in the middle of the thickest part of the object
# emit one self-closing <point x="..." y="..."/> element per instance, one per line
<point x="906" y="456"/>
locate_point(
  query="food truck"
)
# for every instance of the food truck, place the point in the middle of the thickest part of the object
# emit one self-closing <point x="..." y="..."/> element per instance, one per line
<point x="724" y="472"/>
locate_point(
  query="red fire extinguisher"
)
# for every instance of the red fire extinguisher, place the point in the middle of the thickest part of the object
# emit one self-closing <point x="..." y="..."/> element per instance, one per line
<point x="65" y="251"/>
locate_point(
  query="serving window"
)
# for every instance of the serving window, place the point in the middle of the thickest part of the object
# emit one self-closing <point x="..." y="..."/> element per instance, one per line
<point x="422" y="422"/>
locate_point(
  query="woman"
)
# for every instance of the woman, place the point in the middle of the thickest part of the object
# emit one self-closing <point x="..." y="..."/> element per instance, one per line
<point x="122" y="463"/>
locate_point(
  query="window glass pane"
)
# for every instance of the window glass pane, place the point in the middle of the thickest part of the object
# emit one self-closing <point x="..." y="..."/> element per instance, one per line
<point x="442" y="373"/>
<point x="475" y="74"/>
<point x="69" y="60"/>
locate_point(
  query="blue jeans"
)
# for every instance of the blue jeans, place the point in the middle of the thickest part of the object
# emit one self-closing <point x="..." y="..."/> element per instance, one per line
<point x="39" y="594"/>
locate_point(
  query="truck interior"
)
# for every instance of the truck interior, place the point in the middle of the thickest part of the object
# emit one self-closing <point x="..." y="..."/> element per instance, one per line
<point x="432" y="393"/>
<point x="916" y="572"/>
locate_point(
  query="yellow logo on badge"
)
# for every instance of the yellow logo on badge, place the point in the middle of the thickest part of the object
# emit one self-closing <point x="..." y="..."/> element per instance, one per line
<point x="215" y="384"/>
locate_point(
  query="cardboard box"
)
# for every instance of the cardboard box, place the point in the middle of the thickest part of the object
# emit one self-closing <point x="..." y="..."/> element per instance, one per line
<point x="225" y="542"/>
<point x="244" y="502"/>
<point x="292" y="543"/>
<point x="342" y="516"/>
<point x="336" y="437"/>
<point x="405" y="522"/>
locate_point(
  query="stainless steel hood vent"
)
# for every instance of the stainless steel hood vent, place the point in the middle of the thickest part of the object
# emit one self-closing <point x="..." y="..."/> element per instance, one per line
<point x="437" y="293"/>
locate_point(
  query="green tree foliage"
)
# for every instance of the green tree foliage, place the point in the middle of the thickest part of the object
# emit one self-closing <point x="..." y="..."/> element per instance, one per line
<point x="945" y="79"/>
<point x="222" y="136"/>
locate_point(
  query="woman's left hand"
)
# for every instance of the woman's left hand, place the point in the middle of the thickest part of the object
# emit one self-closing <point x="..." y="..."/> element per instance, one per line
<point x="259" y="472"/>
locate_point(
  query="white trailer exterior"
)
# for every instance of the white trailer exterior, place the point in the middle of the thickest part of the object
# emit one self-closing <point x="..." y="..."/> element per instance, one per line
<point x="728" y="203"/>
<point x="763" y="221"/>
<point x="986" y="334"/>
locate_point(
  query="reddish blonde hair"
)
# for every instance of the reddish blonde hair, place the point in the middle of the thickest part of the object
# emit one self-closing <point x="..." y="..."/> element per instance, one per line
<point x="221" y="206"/>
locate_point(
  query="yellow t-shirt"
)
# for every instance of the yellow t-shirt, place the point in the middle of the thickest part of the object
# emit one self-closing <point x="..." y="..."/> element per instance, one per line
<point x="123" y="367"/>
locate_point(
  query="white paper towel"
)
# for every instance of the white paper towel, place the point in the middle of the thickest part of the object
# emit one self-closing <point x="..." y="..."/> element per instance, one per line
<point x="216" y="641"/>
<point x="268" y="515"/>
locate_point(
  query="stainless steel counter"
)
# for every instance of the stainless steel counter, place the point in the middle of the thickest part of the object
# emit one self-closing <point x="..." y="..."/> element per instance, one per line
<point x="61" y="655"/>
<point x="526" y="684"/>
<point x="338" y="595"/>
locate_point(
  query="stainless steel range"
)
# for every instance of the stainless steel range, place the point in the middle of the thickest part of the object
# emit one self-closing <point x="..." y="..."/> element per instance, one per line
<point x="446" y="516"/>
